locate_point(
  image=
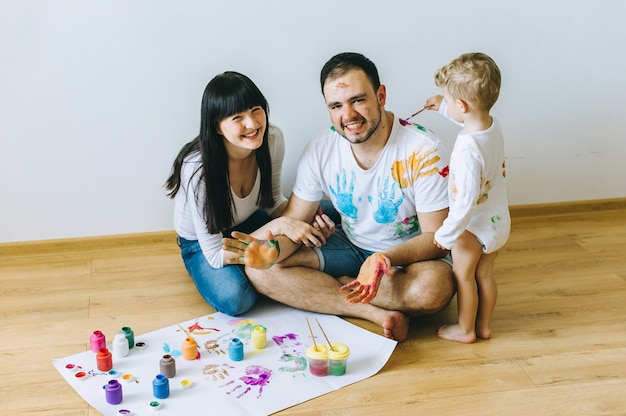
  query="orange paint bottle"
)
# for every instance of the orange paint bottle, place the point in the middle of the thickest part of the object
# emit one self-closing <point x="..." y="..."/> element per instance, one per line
<point x="190" y="349"/>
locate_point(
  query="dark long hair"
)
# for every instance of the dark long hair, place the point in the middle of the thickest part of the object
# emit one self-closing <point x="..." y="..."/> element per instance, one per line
<point x="224" y="95"/>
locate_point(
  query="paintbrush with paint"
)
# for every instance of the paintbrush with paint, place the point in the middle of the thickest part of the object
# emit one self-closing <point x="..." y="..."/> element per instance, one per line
<point x="405" y="121"/>
<point x="415" y="113"/>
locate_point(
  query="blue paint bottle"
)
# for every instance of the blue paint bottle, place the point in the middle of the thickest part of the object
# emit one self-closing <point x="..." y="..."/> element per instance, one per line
<point x="160" y="387"/>
<point x="235" y="349"/>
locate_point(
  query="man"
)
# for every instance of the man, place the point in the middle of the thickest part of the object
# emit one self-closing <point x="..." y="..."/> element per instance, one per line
<point x="387" y="180"/>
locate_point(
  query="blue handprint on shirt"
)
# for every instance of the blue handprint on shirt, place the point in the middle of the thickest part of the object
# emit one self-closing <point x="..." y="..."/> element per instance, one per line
<point x="344" y="194"/>
<point x="387" y="204"/>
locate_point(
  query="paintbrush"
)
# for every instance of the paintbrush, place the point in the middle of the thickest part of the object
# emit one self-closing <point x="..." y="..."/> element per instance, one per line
<point x="184" y="330"/>
<point x="414" y="114"/>
<point x="330" y="346"/>
<point x="311" y="331"/>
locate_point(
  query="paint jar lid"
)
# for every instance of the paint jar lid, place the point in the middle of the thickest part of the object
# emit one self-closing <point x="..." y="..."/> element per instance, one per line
<point x="127" y="378"/>
<point x="340" y="351"/>
<point x="319" y="353"/>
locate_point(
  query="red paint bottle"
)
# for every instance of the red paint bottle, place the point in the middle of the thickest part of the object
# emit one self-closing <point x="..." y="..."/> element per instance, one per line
<point x="104" y="360"/>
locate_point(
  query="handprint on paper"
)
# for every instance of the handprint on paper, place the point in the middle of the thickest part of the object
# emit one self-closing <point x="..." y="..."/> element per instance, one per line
<point x="216" y="371"/>
<point x="344" y="194"/>
<point x="386" y="204"/>
<point x="241" y="328"/>
<point x="293" y="351"/>
<point x="298" y="360"/>
<point x="213" y="347"/>
<point x="256" y="376"/>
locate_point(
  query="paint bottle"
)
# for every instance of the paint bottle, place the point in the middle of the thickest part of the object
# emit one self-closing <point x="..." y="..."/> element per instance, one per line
<point x="167" y="365"/>
<point x="338" y="359"/>
<point x="235" y="349"/>
<point x="113" y="392"/>
<point x="130" y="336"/>
<point x="190" y="349"/>
<point x="259" y="337"/>
<point x="160" y="387"/>
<point x="104" y="360"/>
<point x="97" y="341"/>
<point x="318" y="359"/>
<point x="120" y="345"/>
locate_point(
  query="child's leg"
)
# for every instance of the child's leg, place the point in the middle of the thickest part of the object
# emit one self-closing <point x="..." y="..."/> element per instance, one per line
<point x="466" y="253"/>
<point x="487" y="294"/>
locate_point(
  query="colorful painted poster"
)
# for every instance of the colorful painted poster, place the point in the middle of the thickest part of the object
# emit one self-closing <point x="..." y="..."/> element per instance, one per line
<point x="265" y="381"/>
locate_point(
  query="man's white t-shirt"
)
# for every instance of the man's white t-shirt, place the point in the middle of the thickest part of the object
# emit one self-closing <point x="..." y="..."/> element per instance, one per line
<point x="378" y="206"/>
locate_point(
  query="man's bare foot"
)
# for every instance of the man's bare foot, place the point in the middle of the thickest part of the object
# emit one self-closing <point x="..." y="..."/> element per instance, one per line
<point x="396" y="326"/>
<point x="456" y="333"/>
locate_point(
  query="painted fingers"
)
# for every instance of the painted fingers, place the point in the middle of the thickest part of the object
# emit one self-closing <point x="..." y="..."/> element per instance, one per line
<point x="258" y="254"/>
<point x="365" y="287"/>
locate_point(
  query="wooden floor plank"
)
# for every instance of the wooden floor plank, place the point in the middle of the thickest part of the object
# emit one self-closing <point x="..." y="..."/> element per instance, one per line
<point x="559" y="330"/>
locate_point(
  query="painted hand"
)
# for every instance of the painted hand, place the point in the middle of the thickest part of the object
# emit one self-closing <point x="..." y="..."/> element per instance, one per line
<point x="256" y="376"/>
<point x="364" y="287"/>
<point x="258" y="254"/>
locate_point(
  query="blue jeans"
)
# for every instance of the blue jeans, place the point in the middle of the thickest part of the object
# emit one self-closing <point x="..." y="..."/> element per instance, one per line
<point x="227" y="289"/>
<point x="339" y="257"/>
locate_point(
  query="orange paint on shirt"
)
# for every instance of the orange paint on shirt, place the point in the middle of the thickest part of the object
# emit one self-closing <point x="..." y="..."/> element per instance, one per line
<point x="417" y="165"/>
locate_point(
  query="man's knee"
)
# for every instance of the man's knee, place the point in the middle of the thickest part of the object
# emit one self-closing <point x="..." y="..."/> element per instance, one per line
<point x="440" y="290"/>
<point x="434" y="290"/>
<point x="257" y="276"/>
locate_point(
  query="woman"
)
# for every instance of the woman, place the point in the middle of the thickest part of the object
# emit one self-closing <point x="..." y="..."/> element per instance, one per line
<point x="226" y="179"/>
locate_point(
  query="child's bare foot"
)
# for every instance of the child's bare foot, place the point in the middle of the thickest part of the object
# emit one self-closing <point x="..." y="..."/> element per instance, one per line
<point x="396" y="326"/>
<point x="483" y="332"/>
<point x="456" y="333"/>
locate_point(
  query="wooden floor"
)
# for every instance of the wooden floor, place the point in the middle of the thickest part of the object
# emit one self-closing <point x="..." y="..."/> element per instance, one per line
<point x="559" y="344"/>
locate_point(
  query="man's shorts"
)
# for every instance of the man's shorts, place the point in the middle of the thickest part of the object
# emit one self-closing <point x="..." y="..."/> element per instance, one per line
<point x="339" y="257"/>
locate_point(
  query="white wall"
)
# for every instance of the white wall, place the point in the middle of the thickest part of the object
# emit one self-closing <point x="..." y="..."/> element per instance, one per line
<point x="96" y="97"/>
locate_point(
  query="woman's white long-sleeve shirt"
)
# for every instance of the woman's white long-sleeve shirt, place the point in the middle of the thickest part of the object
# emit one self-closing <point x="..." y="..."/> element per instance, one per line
<point x="189" y="220"/>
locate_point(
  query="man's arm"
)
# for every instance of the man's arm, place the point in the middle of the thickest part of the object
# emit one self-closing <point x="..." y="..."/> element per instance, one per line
<point x="289" y="231"/>
<point x="364" y="287"/>
<point x="420" y="247"/>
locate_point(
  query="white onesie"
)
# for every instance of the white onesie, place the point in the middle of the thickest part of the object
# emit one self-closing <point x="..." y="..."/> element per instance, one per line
<point x="477" y="190"/>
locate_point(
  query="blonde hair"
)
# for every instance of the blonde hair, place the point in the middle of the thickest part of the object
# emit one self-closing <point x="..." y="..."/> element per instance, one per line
<point x="472" y="77"/>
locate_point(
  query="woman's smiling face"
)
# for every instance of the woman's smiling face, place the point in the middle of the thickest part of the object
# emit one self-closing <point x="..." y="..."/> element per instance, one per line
<point x="244" y="129"/>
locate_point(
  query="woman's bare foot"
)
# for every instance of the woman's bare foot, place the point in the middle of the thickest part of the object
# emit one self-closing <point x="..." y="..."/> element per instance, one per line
<point x="396" y="326"/>
<point x="456" y="333"/>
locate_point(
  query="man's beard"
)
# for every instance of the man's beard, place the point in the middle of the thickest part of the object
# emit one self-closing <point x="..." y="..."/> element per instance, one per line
<point x="370" y="131"/>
